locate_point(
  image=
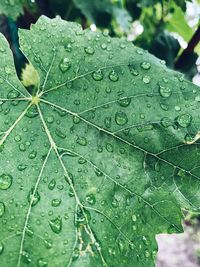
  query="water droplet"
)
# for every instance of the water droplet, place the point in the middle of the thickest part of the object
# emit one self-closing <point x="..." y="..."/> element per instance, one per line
<point x="26" y="256"/>
<point x="121" y="118"/>
<point x="13" y="94"/>
<point x="32" y="112"/>
<point x="133" y="71"/>
<point x="5" y="181"/>
<point x="81" y="141"/>
<point x="113" y="76"/>
<point x="32" y="155"/>
<point x="107" y="122"/>
<point x="184" y="120"/>
<point x="82" y="218"/>
<point x="76" y="119"/>
<point x="60" y="133"/>
<point x="65" y="64"/>
<point x="2" y="209"/>
<point x="124" y="102"/>
<point x="146" y="79"/>
<point x="90" y="198"/>
<point x="33" y="198"/>
<point x="68" y="47"/>
<point x="56" y="225"/>
<point x="48" y="243"/>
<point x="166" y="122"/>
<point x="22" y="167"/>
<point x="134" y="218"/>
<point x="97" y="75"/>
<point x="104" y="46"/>
<point x="145" y="65"/>
<point x="89" y="50"/>
<point x="50" y="119"/>
<point x="1" y="247"/>
<point x="56" y="202"/>
<point x="165" y="91"/>
<point x="42" y="262"/>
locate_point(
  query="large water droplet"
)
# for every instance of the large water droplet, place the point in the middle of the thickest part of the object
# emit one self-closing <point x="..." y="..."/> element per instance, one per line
<point x="90" y="198"/>
<point x="184" y="120"/>
<point x="97" y="75"/>
<point x="81" y="140"/>
<point x="42" y="262"/>
<point x="56" y="225"/>
<point x="55" y="202"/>
<point x="121" y="118"/>
<point x="89" y="50"/>
<point x="133" y="71"/>
<point x="65" y="64"/>
<point x="33" y="198"/>
<point x="145" y="65"/>
<point x="146" y="79"/>
<point x="124" y="102"/>
<point x="165" y="91"/>
<point x="2" y="209"/>
<point x="5" y="181"/>
<point x="113" y="76"/>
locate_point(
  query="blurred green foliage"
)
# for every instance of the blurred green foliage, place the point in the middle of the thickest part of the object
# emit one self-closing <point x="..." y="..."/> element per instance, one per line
<point x="157" y="21"/>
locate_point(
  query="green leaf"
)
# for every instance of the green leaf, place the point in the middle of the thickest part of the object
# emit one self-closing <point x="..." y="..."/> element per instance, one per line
<point x="101" y="160"/>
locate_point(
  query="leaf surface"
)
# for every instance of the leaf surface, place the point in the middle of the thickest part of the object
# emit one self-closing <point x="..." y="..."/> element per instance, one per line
<point x="101" y="160"/>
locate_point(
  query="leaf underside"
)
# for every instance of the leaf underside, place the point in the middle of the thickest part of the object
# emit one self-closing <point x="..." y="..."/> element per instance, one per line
<point x="101" y="160"/>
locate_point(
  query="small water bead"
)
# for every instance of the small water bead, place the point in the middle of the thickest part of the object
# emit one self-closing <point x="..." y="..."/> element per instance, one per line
<point x="48" y="243"/>
<point x="90" y="198"/>
<point x="22" y="167"/>
<point x="166" y="122"/>
<point x="76" y="254"/>
<point x="5" y="181"/>
<point x="165" y="91"/>
<point x="124" y="102"/>
<point x="26" y="256"/>
<point x="113" y="76"/>
<point x="89" y="50"/>
<point x="121" y="118"/>
<point x="81" y="141"/>
<point x="65" y="64"/>
<point x="68" y="47"/>
<point x="17" y="138"/>
<point x="60" y="133"/>
<point x="76" y="119"/>
<point x="32" y="155"/>
<point x="52" y="184"/>
<point x="1" y="247"/>
<point x="133" y="71"/>
<point x="134" y="218"/>
<point x="50" y="119"/>
<point x="146" y="79"/>
<point x="197" y="98"/>
<point x="97" y="75"/>
<point x="42" y="262"/>
<point x="109" y="147"/>
<point x="2" y="209"/>
<point x="107" y="122"/>
<point x="104" y="46"/>
<point x="56" y="225"/>
<point x="98" y="172"/>
<point x="55" y="202"/>
<point x="13" y="94"/>
<point x="145" y="65"/>
<point x="33" y="197"/>
<point x="184" y="120"/>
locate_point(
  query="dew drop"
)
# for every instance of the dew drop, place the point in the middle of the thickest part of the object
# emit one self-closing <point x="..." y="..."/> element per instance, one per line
<point x="107" y="122"/>
<point x="121" y="118"/>
<point x="5" y="181"/>
<point x="52" y="184"/>
<point x="65" y="64"/>
<point x="1" y="247"/>
<point x="133" y="71"/>
<point x="166" y="122"/>
<point x="55" y="202"/>
<point x="89" y="50"/>
<point x="90" y="198"/>
<point x="124" y="102"/>
<point x="42" y="262"/>
<point x="145" y="65"/>
<point x="33" y="198"/>
<point x="97" y="75"/>
<point x="146" y="79"/>
<point x="165" y="91"/>
<point x="113" y="76"/>
<point x="56" y="225"/>
<point x="81" y="141"/>
<point x="184" y="120"/>
<point x="2" y="209"/>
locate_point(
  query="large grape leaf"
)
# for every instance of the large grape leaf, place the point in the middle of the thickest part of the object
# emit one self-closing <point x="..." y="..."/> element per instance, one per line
<point x="101" y="159"/>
